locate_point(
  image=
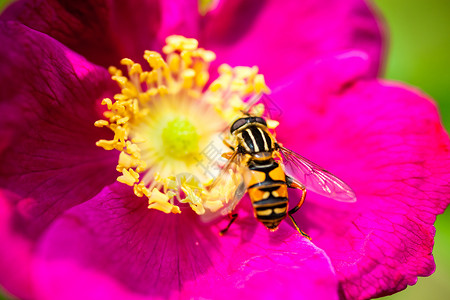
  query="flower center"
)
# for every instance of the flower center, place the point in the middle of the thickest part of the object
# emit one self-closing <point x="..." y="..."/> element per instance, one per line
<point x="169" y="124"/>
<point x="180" y="138"/>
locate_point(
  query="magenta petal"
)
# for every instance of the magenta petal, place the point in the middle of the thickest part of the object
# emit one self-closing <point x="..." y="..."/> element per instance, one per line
<point x="122" y="246"/>
<point x="105" y="31"/>
<point x="15" y="251"/>
<point x="387" y="142"/>
<point x="49" y="100"/>
<point x="279" y="37"/>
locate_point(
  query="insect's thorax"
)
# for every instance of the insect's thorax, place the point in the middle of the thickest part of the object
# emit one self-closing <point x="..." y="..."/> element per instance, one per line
<point x="267" y="188"/>
<point x="255" y="138"/>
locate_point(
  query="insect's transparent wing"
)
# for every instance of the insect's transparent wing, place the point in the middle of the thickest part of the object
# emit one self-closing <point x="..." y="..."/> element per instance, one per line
<point x="316" y="178"/>
<point x="228" y="188"/>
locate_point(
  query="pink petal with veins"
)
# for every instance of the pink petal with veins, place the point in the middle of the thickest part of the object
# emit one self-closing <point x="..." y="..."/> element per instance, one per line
<point x="280" y="38"/>
<point x="50" y="99"/>
<point x="387" y="142"/>
<point x="116" y="238"/>
<point x="105" y="31"/>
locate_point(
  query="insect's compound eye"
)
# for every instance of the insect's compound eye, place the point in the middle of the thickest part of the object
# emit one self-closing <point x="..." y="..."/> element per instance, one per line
<point x="238" y="124"/>
<point x="260" y="121"/>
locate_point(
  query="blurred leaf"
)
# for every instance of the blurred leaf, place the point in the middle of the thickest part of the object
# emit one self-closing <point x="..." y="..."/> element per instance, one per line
<point x="419" y="47"/>
<point x="3" y="4"/>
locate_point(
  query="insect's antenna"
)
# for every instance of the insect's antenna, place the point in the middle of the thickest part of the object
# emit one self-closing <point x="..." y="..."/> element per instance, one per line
<point x="250" y="103"/>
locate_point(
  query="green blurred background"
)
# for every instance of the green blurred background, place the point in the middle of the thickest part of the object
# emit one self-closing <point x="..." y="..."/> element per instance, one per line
<point x="419" y="54"/>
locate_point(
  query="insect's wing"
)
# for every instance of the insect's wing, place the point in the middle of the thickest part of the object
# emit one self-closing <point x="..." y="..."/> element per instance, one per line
<point x="228" y="188"/>
<point x="315" y="178"/>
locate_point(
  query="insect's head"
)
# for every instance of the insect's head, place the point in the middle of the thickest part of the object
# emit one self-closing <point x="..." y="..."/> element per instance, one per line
<point x="241" y="122"/>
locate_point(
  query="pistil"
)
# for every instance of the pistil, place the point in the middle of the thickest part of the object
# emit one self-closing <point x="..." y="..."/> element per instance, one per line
<point x="180" y="138"/>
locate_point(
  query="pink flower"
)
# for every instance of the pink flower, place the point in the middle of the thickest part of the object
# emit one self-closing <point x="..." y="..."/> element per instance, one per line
<point x="69" y="231"/>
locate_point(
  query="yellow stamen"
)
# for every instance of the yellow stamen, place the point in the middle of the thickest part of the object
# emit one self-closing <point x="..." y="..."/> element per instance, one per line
<point x="129" y="177"/>
<point x="160" y="201"/>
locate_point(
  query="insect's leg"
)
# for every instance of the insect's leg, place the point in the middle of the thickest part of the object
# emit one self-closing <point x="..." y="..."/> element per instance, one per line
<point x="228" y="144"/>
<point x="228" y="155"/>
<point x="297" y="185"/>
<point x="233" y="217"/>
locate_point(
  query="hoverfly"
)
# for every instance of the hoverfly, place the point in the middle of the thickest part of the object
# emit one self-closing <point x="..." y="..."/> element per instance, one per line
<point x="265" y="170"/>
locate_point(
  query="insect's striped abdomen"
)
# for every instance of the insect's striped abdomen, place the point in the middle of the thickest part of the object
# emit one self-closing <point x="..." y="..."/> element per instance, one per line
<point x="267" y="189"/>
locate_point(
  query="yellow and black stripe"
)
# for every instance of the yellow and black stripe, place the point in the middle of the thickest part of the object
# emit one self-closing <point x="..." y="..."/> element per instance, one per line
<point x="268" y="192"/>
<point x="266" y="182"/>
<point x="255" y="139"/>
